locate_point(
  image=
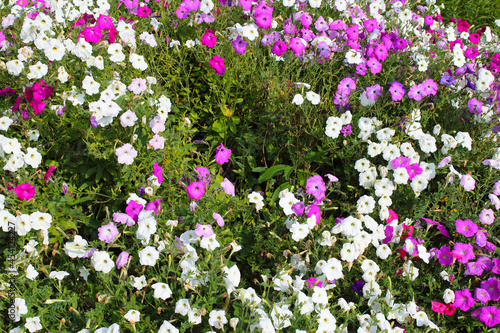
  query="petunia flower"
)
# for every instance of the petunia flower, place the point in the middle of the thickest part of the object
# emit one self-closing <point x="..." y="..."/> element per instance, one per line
<point x="25" y="191"/>
<point x="158" y="172"/>
<point x="195" y="190"/>
<point x="222" y="154"/>
<point x="227" y="186"/>
<point x="463" y="300"/>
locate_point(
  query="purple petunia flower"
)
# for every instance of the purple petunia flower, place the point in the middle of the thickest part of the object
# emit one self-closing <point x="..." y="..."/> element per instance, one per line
<point x="447" y="80"/>
<point x="444" y="256"/>
<point x="239" y="45"/>
<point x="492" y="287"/>
<point x="481" y="295"/>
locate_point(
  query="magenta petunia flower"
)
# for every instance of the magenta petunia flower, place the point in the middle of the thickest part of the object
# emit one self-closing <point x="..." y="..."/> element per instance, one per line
<point x="158" y="172"/>
<point x="217" y="63"/>
<point x="374" y="64"/>
<point x="279" y="48"/>
<point x="352" y="32"/>
<point x="203" y="230"/>
<point x="154" y="206"/>
<point x="222" y="154"/>
<point x="108" y="232"/>
<point x="92" y="34"/>
<point x="296" y="45"/>
<point x="264" y="20"/>
<point x="25" y="191"/>
<point x="104" y="22"/>
<point x="143" y="11"/>
<point x="464" y="252"/>
<point x="346" y="85"/>
<point x="122" y="259"/>
<point x="496" y="267"/>
<point x="370" y="25"/>
<point x="182" y="12"/>
<point x="397" y="91"/>
<point x="414" y="170"/>
<point x="195" y="190"/>
<point x="133" y="209"/>
<point x="463" y="300"/>
<point x="209" y="39"/>
<point x="416" y="92"/>
<point x="401" y="162"/>
<point x="489" y="315"/>
<point x="466" y="227"/>
<point x="380" y="52"/>
<point x="314" y="210"/>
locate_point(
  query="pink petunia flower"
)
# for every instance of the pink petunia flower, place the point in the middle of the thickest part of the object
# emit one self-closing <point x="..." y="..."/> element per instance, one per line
<point x="218" y="219"/>
<point x="227" y="186"/>
<point x="203" y="230"/>
<point x="195" y="190"/>
<point x="108" y="232"/>
<point x="122" y="259"/>
<point x="468" y="182"/>
<point x="25" y="191"/>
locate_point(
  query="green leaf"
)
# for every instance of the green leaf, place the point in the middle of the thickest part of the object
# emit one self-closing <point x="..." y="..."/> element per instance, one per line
<point x="219" y="126"/>
<point x="288" y="171"/>
<point x="271" y="172"/>
<point x="259" y="169"/>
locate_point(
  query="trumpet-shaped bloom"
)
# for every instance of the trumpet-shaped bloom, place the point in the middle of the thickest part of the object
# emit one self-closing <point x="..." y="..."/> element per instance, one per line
<point x="25" y="191"/>
<point x="195" y="190"/>
<point x="222" y="154"/>
<point x="126" y="154"/>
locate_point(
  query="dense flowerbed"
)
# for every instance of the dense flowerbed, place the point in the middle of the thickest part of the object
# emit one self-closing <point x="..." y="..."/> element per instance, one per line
<point x="200" y="166"/>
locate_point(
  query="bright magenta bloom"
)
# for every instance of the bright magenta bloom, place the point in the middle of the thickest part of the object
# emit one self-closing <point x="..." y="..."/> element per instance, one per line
<point x="209" y="39"/>
<point x="463" y="300"/>
<point x="195" y="190"/>
<point x="222" y="154"/>
<point x="25" y="191"/>
<point x="158" y="172"/>
<point x="217" y="63"/>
